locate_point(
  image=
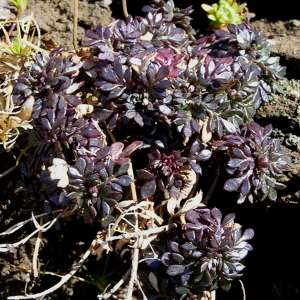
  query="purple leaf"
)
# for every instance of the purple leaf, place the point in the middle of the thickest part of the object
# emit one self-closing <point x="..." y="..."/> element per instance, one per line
<point x="131" y="148"/>
<point x="130" y="114"/>
<point x="227" y="219"/>
<point x="187" y="130"/>
<point x="174" y="270"/>
<point x="92" y="35"/>
<point x="139" y="120"/>
<point x="238" y="153"/>
<point x="73" y="100"/>
<point x="107" y="87"/>
<point x="167" y="111"/>
<point x="245" y="187"/>
<point x="233" y="184"/>
<point x="116" y="93"/>
<point x="178" y="257"/>
<point x="204" y="155"/>
<point x="103" y="152"/>
<point x="109" y="75"/>
<point x="74" y="172"/>
<point x="144" y="174"/>
<point x="174" y="246"/>
<point x="162" y="73"/>
<point x="193" y="216"/>
<point x="167" y="259"/>
<point x="125" y="180"/>
<point x="247" y="235"/>
<point x="188" y="247"/>
<point x="148" y="189"/>
<point x="216" y="214"/>
<point x="196" y="167"/>
<point x="165" y="84"/>
<point x="235" y="162"/>
<point x="116" y="149"/>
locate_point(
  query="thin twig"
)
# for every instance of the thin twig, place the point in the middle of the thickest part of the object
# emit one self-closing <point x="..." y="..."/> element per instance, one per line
<point x="125" y="11"/>
<point x="243" y="289"/>
<point x="131" y="235"/>
<point x="139" y="285"/>
<point x="36" y="250"/>
<point x="213" y="295"/>
<point x="116" y="287"/>
<point x="132" y="186"/>
<point x="19" y="225"/>
<point x="135" y="256"/>
<point x="6" y="247"/>
<point x="57" y="274"/>
<point x="75" y="25"/>
<point x="7" y="171"/>
<point x="63" y="280"/>
<point x="134" y="267"/>
<point x="110" y="133"/>
<point x="34" y="47"/>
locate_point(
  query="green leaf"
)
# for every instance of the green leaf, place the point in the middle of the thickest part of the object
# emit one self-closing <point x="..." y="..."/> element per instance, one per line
<point x="272" y="194"/>
<point x="224" y="284"/>
<point x="181" y="290"/>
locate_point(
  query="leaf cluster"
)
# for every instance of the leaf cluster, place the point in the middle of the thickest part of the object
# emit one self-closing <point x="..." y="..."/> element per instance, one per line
<point x="208" y="253"/>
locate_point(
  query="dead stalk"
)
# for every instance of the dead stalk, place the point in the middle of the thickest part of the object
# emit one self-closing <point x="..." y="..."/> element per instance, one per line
<point x="135" y="255"/>
<point x="243" y="289"/>
<point x="7" y="171"/>
<point x="116" y="287"/>
<point x="140" y="287"/>
<point x="134" y="235"/>
<point x="63" y="280"/>
<point x="75" y="23"/>
<point x="111" y="135"/>
<point x="134" y="268"/>
<point x="132" y="186"/>
<point x="125" y="11"/>
<point x="36" y="250"/>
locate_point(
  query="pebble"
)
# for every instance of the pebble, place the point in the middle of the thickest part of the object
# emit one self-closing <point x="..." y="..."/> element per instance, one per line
<point x="4" y="9"/>
<point x="294" y="94"/>
<point x="296" y="23"/>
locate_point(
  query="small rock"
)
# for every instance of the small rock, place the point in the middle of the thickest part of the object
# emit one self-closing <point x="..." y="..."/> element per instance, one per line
<point x="296" y="23"/>
<point x="105" y="3"/>
<point x="5" y="8"/>
<point x="294" y="94"/>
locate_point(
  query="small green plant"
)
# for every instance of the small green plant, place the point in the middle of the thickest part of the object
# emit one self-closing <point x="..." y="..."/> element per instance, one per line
<point x="100" y="280"/>
<point x="20" y="5"/>
<point x="224" y="13"/>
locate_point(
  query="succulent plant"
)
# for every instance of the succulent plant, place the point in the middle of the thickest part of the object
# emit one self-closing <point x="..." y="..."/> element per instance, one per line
<point x="165" y="169"/>
<point x="146" y="83"/>
<point x="224" y="13"/>
<point x="147" y="71"/>
<point x="256" y="162"/>
<point x="207" y="254"/>
<point x="150" y="73"/>
<point x="67" y="130"/>
<point x="94" y="184"/>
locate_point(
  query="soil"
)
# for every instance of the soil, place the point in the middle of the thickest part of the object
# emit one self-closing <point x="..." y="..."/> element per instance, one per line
<point x="272" y="267"/>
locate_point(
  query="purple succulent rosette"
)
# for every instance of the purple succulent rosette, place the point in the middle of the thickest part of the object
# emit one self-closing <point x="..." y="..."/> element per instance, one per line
<point x="256" y="162"/>
<point x="207" y="254"/>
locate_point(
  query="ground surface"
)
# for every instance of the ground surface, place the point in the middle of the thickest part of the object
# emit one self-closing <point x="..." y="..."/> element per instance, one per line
<point x="270" y="267"/>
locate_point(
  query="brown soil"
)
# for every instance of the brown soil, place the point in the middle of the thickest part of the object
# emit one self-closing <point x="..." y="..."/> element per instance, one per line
<point x="270" y="267"/>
